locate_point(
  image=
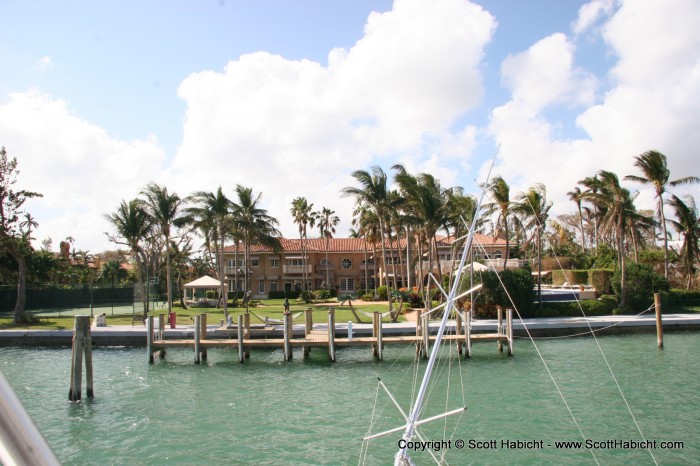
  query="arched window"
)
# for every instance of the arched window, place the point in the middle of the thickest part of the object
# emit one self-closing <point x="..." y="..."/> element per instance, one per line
<point x="325" y="261"/>
<point x="498" y="254"/>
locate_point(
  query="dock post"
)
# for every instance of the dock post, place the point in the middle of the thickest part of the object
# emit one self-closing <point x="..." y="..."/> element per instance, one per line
<point x="419" y="331"/>
<point x="308" y="327"/>
<point x="380" y="355"/>
<point x="468" y="333"/>
<point x="499" y="330"/>
<point x="197" y="338"/>
<point x="509" y="329"/>
<point x="375" y="351"/>
<point x="659" y="321"/>
<point x="82" y="344"/>
<point x="149" y="338"/>
<point x="246" y="328"/>
<point x="241" y="352"/>
<point x="203" y="333"/>
<point x="331" y="334"/>
<point x="161" y="325"/>
<point x="287" y="329"/>
<point x="458" y="325"/>
<point x="425" y="350"/>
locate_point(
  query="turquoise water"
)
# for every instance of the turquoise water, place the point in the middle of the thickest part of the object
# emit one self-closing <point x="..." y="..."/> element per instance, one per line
<point x="314" y="412"/>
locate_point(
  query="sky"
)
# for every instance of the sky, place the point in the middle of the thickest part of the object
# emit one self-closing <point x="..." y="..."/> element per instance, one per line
<point x="98" y="99"/>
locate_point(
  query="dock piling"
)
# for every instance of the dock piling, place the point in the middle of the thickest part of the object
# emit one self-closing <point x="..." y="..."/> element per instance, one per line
<point x="509" y="329"/>
<point x="287" y="328"/>
<point x="468" y="333"/>
<point x="499" y="329"/>
<point x="659" y="321"/>
<point x="203" y="333"/>
<point x="197" y="339"/>
<point x="425" y="348"/>
<point x="331" y="334"/>
<point x="308" y="327"/>
<point x="149" y="338"/>
<point x="241" y="351"/>
<point x="82" y="344"/>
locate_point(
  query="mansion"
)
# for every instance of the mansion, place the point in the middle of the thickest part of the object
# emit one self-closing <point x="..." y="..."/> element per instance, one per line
<point x="349" y="268"/>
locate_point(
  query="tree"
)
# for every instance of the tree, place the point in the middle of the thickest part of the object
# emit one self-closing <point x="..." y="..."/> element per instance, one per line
<point x="687" y="223"/>
<point x="534" y="207"/>
<point x="12" y="239"/>
<point x="499" y="192"/>
<point x="255" y="225"/>
<point x="133" y="227"/>
<point x="654" y="168"/>
<point x="211" y="214"/>
<point x="576" y="196"/>
<point x="110" y="272"/>
<point x="327" y="221"/>
<point x="304" y="217"/>
<point x="373" y="193"/>
<point x="164" y="209"/>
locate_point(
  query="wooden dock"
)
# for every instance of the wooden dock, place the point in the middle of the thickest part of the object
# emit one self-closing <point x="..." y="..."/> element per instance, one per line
<point x="245" y="337"/>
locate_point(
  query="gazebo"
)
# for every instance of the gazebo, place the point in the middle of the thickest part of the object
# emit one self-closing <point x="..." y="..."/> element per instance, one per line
<point x="205" y="282"/>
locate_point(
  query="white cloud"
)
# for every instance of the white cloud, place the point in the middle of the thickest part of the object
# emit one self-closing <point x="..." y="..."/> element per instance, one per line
<point x="653" y="102"/>
<point x="81" y="171"/>
<point x="296" y="128"/>
<point x="44" y="64"/>
<point x="590" y="13"/>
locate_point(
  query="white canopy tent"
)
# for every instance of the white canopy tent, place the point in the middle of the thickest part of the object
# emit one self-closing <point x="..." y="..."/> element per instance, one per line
<point x="205" y="282"/>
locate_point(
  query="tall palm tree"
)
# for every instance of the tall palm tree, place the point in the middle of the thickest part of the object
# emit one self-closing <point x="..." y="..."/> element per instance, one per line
<point x="534" y="207"/>
<point x="617" y="206"/>
<point x="133" y="226"/>
<point x="373" y="192"/>
<point x="212" y="211"/>
<point x="304" y="217"/>
<point x="499" y="192"/>
<point x="368" y="228"/>
<point x="575" y="195"/>
<point x="592" y="185"/>
<point x="687" y="223"/>
<point x="655" y="172"/>
<point x="255" y="225"/>
<point x="164" y="208"/>
<point x="327" y="221"/>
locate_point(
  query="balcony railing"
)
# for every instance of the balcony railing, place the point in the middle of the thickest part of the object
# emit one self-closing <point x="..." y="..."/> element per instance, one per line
<point x="297" y="269"/>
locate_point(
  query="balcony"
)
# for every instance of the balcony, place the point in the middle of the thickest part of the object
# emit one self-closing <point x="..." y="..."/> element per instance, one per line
<point x="296" y="269"/>
<point x="324" y="267"/>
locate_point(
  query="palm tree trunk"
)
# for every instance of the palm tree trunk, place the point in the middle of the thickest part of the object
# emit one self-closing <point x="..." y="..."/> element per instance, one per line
<point x="409" y="271"/>
<point x="388" y="287"/>
<point x="19" y="314"/>
<point x="663" y="227"/>
<point x="222" y="279"/>
<point x="167" y="274"/>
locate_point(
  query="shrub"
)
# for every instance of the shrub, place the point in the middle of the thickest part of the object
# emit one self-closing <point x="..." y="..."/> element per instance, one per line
<point x="367" y="297"/>
<point x="382" y="293"/>
<point x="591" y="307"/>
<point x="601" y="279"/>
<point x="641" y="284"/>
<point x="210" y="294"/>
<point x="322" y="294"/>
<point x="283" y="294"/>
<point x="518" y="282"/>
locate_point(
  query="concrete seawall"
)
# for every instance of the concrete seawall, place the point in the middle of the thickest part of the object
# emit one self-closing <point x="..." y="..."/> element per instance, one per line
<point x="544" y="327"/>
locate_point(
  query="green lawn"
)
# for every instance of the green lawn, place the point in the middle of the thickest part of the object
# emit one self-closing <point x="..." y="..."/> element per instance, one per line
<point x="272" y="308"/>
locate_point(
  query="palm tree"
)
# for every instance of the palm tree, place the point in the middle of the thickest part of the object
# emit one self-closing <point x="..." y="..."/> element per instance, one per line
<point x="212" y="212"/>
<point x="592" y="185"/>
<point x="617" y="206"/>
<point x="368" y="228"/>
<point x="499" y="192"/>
<point x="164" y="209"/>
<point x="327" y="221"/>
<point x="575" y="196"/>
<point x="373" y="192"/>
<point x="255" y="225"/>
<point x="534" y="207"/>
<point x="654" y="168"/>
<point x="133" y="226"/>
<point x="304" y="217"/>
<point x="687" y="223"/>
<point x="29" y="223"/>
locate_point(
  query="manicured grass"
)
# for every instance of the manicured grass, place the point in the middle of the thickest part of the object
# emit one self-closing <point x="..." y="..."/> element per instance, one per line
<point x="273" y="308"/>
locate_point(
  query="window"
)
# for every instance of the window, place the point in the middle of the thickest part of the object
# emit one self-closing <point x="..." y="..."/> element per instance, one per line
<point x="261" y="286"/>
<point x="273" y="286"/>
<point x="255" y="262"/>
<point x="231" y="263"/>
<point x="347" y="284"/>
<point x="295" y="262"/>
<point x="445" y="257"/>
<point x="346" y="264"/>
<point x="497" y="254"/>
<point x="325" y="261"/>
<point x="274" y="263"/>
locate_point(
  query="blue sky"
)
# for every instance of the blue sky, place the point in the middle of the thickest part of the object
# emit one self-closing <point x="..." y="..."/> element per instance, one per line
<point x="289" y="97"/>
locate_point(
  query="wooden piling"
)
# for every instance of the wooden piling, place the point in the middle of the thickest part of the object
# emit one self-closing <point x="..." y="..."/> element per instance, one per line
<point x="468" y="333"/>
<point x="203" y="334"/>
<point x="287" y="330"/>
<point x="149" y="338"/>
<point x="308" y="327"/>
<point x="246" y="330"/>
<point x="241" y="351"/>
<point x="331" y="334"/>
<point x="659" y="321"/>
<point x="458" y="324"/>
<point x="425" y="348"/>
<point x="161" y="326"/>
<point x="197" y="339"/>
<point x="500" y="328"/>
<point x="82" y="344"/>
<point x="380" y="344"/>
<point x="419" y="331"/>
<point x="509" y="329"/>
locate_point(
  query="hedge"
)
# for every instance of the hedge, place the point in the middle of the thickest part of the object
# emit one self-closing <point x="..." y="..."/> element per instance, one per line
<point x="591" y="307"/>
<point x="284" y="294"/>
<point x="601" y="279"/>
